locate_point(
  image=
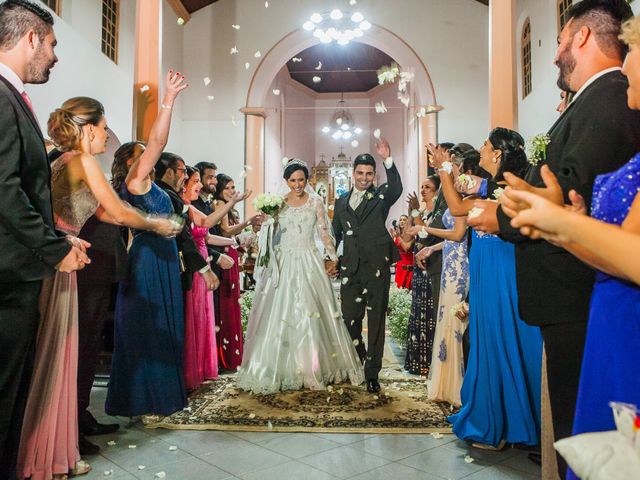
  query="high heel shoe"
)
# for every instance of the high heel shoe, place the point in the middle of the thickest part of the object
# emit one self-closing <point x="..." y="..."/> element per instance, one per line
<point x="81" y="468"/>
<point x="486" y="446"/>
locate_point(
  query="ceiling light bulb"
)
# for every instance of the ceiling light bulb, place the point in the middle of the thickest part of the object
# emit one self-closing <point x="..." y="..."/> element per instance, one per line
<point x="332" y="32"/>
<point x="339" y="120"/>
<point x="357" y="17"/>
<point x="318" y="33"/>
<point x="308" y="25"/>
<point x="326" y="38"/>
<point x="347" y="135"/>
<point x="337" y="134"/>
<point x="343" y="41"/>
<point x="357" y="33"/>
<point x="316" y="18"/>
<point x="326" y="129"/>
<point x="365" y="25"/>
<point x="358" y="130"/>
<point x="335" y="14"/>
<point x="355" y="143"/>
<point x="345" y="126"/>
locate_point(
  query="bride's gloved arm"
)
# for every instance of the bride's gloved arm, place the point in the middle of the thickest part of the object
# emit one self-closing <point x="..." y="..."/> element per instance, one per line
<point x="324" y="231"/>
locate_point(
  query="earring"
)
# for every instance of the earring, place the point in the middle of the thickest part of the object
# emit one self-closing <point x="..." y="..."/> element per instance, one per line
<point x="494" y="160"/>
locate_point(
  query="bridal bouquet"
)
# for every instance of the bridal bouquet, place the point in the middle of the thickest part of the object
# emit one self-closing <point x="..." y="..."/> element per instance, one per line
<point x="269" y="204"/>
<point x="537" y="148"/>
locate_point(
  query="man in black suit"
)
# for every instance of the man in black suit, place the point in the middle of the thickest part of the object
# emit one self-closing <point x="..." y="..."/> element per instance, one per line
<point x="171" y="175"/>
<point x="359" y="220"/>
<point x="31" y="249"/>
<point x="597" y="133"/>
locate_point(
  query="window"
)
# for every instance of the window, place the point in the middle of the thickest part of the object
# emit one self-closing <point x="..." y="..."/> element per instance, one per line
<point x="526" y="58"/>
<point x="563" y="9"/>
<point x="54" y="5"/>
<point x="110" y="14"/>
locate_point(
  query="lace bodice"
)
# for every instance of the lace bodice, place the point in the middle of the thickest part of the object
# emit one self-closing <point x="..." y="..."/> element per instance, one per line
<point x="613" y="193"/>
<point x="297" y="227"/>
<point x="72" y="205"/>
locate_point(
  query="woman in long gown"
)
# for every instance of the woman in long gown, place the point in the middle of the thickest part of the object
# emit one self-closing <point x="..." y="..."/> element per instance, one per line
<point x="229" y="323"/>
<point x="404" y="267"/>
<point x="501" y="388"/>
<point x="422" y="321"/>
<point x="49" y="439"/>
<point x="146" y="367"/>
<point x="296" y="337"/>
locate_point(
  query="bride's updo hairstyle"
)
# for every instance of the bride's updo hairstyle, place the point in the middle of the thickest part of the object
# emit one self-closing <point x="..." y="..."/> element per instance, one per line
<point x="293" y="165"/>
<point x="514" y="158"/>
<point x="65" y="123"/>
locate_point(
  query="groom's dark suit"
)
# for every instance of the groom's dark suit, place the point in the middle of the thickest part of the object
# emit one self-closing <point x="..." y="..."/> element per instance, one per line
<point x="596" y="134"/>
<point x="30" y="251"/>
<point x="365" y="265"/>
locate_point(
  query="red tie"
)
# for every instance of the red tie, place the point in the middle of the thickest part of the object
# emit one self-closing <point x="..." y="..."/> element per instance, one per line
<point x="27" y="100"/>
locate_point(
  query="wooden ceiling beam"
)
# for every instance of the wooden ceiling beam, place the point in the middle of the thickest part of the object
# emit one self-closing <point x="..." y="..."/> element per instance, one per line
<point x="180" y="9"/>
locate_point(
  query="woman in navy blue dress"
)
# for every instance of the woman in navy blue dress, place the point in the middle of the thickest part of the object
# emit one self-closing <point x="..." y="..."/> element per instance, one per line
<point x="501" y="388"/>
<point x="146" y="370"/>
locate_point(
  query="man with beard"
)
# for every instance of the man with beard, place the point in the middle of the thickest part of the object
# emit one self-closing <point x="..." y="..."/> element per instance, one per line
<point x="171" y="175"/>
<point x="31" y="249"/>
<point x="596" y="133"/>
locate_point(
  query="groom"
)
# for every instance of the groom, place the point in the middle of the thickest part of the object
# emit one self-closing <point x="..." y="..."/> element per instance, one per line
<point x="359" y="219"/>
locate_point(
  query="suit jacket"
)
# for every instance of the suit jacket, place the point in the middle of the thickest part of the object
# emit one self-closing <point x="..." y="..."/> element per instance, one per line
<point x="364" y="230"/>
<point x="193" y="261"/>
<point x="29" y="244"/>
<point x="596" y="134"/>
<point x="108" y="253"/>
<point x="214" y="252"/>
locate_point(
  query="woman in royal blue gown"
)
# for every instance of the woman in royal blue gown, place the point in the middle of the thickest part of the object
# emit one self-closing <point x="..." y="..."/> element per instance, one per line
<point x="501" y="388"/>
<point x="146" y="370"/>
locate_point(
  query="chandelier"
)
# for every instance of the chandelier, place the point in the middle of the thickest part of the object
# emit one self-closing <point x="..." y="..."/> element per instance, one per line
<point x="337" y="26"/>
<point x="342" y="126"/>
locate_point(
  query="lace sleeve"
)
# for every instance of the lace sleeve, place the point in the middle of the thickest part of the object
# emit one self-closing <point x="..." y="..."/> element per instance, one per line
<point x="323" y="227"/>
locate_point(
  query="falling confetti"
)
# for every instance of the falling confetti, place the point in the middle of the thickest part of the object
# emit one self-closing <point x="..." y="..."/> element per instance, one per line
<point x="316" y="79"/>
<point x="173" y="448"/>
<point x="356" y="342"/>
<point x="469" y="459"/>
<point x="111" y="443"/>
<point x="234" y="50"/>
<point x="217" y="328"/>
<point x="276" y="92"/>
<point x="319" y="66"/>
<point x="345" y="280"/>
<point x="349" y="232"/>
<point x="206" y="81"/>
<point x="133" y="446"/>
<point x="233" y="120"/>
<point x="246" y="65"/>
<point x="144" y="88"/>
<point x="355" y="143"/>
<point x="141" y="467"/>
<point x="237" y="27"/>
<point x="437" y="435"/>
<point x="353" y="2"/>
<point x="258" y="54"/>
<point x="364" y="291"/>
<point x="108" y="472"/>
<point x="269" y="426"/>
<point x="210" y="98"/>
<point x="180" y="21"/>
<point x="381" y="196"/>
<point x="377" y="273"/>
<point x="376" y="133"/>
<point x="381" y="107"/>
<point x="160" y="475"/>
<point x="296" y="59"/>
<point x="252" y="415"/>
<point x="422" y="112"/>
<point x="358" y="300"/>
<point x="266" y="5"/>
<point x="375" y="397"/>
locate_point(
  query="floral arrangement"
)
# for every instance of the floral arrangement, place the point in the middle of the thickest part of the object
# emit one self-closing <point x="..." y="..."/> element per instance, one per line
<point x="537" y="148"/>
<point x="246" y="303"/>
<point x="268" y="203"/>
<point x="398" y="314"/>
<point x="467" y="181"/>
<point x="497" y="193"/>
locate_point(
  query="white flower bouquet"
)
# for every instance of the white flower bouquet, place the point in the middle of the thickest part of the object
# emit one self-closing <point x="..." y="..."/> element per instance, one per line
<point x="268" y="203"/>
<point x="536" y="148"/>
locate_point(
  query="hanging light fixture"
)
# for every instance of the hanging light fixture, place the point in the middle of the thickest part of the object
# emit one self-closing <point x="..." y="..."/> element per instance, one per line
<point x="342" y="125"/>
<point x="337" y="25"/>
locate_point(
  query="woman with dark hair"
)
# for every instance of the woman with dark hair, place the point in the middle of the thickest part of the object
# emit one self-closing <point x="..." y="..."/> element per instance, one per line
<point x="49" y="439"/>
<point x="501" y="388"/>
<point x="422" y="322"/>
<point x="146" y="366"/>
<point x="229" y="324"/>
<point x="296" y="337"/>
<point x="404" y="242"/>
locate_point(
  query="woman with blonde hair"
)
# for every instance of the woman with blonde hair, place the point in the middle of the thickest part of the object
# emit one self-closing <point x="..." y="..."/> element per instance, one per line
<point x="49" y="440"/>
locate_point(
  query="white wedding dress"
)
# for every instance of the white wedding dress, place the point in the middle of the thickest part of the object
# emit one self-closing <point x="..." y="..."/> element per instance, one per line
<point x="296" y="336"/>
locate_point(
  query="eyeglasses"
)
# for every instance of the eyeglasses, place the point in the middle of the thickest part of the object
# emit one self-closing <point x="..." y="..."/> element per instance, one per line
<point x="179" y="170"/>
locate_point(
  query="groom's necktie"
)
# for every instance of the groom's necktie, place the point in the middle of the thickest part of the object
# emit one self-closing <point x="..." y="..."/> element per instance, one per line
<point x="356" y="198"/>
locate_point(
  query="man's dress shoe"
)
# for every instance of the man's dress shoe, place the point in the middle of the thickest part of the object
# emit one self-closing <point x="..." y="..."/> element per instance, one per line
<point x="372" y="385"/>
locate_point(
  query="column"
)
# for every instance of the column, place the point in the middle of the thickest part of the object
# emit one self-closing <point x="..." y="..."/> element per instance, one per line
<point x="254" y="151"/>
<point x="428" y="134"/>
<point x="503" y="86"/>
<point x="147" y="69"/>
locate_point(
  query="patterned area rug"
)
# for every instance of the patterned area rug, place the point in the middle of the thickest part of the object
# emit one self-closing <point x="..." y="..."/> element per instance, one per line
<point x="401" y="407"/>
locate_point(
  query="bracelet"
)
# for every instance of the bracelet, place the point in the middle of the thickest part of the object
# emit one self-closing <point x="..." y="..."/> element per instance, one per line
<point x="165" y="107"/>
<point x="447" y="167"/>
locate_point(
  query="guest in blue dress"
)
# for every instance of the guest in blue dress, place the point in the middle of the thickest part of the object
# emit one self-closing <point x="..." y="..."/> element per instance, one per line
<point x="612" y="349"/>
<point x="501" y="388"/>
<point x="146" y="369"/>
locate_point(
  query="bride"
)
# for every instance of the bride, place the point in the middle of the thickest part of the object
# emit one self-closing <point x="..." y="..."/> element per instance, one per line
<point x="296" y="336"/>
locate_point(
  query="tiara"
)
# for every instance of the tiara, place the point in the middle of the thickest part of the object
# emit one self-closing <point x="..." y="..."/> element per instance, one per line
<point x="293" y="161"/>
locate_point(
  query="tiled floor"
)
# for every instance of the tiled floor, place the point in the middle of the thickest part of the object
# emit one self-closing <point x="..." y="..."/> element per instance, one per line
<point x="210" y="455"/>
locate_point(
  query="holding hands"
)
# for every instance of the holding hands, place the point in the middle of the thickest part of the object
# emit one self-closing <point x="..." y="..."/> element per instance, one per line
<point x="331" y="267"/>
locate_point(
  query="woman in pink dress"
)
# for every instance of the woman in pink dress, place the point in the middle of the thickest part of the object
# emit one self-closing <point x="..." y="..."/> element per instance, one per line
<point x="200" y="351"/>
<point x="49" y="438"/>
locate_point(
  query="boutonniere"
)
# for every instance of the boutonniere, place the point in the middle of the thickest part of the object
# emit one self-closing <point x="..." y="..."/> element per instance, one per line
<point x="537" y="148"/>
<point x="497" y="193"/>
<point x="210" y="198"/>
<point x="369" y="195"/>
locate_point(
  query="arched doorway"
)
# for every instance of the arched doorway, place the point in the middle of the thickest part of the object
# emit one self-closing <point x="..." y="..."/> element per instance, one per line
<point x="423" y="130"/>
